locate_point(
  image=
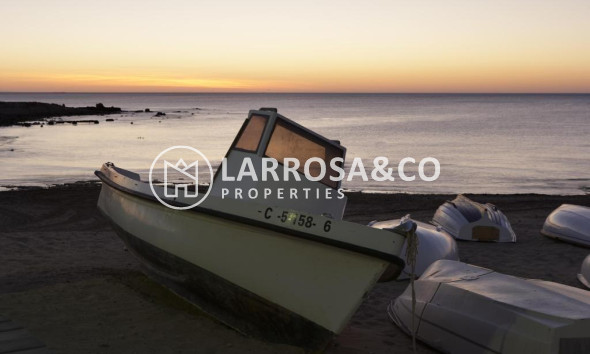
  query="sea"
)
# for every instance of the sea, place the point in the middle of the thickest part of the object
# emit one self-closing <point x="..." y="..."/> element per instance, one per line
<point x="485" y="143"/>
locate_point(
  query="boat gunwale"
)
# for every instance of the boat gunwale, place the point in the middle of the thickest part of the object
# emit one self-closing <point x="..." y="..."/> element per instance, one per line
<point x="233" y="217"/>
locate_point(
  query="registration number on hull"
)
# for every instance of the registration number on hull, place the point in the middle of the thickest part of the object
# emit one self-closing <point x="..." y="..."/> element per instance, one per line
<point x="296" y="219"/>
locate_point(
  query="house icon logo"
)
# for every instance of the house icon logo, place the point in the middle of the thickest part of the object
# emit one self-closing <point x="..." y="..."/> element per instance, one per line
<point x="175" y="177"/>
<point x="187" y="171"/>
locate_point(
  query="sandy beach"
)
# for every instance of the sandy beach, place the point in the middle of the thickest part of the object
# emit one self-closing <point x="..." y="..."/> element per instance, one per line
<point x="283" y="107"/>
<point x="67" y="277"/>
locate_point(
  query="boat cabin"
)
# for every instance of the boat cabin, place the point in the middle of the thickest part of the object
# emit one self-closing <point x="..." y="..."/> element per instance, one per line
<point x="289" y="166"/>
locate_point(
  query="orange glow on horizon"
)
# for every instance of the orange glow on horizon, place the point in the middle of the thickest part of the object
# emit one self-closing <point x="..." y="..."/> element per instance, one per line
<point x="262" y="46"/>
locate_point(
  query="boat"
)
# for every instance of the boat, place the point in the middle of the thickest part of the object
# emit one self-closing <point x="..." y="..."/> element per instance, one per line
<point x="287" y="271"/>
<point x="465" y="219"/>
<point x="433" y="244"/>
<point x="584" y="275"/>
<point x="462" y="308"/>
<point x="570" y="223"/>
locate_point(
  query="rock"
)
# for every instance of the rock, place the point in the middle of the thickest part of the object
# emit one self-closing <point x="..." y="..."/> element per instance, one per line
<point x="15" y="112"/>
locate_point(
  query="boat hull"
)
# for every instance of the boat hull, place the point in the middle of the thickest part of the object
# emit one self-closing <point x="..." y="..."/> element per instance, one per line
<point x="584" y="275"/>
<point x="461" y="308"/>
<point x="467" y="220"/>
<point x="433" y="244"/>
<point x="215" y="295"/>
<point x="570" y="223"/>
<point x="261" y="282"/>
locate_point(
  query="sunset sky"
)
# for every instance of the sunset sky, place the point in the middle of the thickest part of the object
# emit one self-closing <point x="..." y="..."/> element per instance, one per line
<point x="295" y="46"/>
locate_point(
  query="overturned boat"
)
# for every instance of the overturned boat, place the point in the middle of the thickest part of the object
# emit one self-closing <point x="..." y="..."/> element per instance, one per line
<point x="433" y="244"/>
<point x="584" y="275"/>
<point x="465" y="219"/>
<point x="570" y="223"/>
<point x="286" y="270"/>
<point x="461" y="308"/>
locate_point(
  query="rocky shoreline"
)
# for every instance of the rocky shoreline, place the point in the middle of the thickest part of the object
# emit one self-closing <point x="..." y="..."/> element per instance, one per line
<point x="12" y="113"/>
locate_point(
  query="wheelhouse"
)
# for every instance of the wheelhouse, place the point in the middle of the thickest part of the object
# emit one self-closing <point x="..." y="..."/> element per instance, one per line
<point x="267" y="134"/>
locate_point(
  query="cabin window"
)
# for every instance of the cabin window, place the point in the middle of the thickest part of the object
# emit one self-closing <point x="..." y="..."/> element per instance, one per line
<point x="250" y="137"/>
<point x="290" y="141"/>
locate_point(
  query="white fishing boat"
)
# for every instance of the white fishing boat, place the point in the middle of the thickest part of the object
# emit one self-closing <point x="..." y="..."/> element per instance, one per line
<point x="584" y="275"/>
<point x="288" y="271"/>
<point x="570" y="223"/>
<point x="433" y="244"/>
<point x="465" y="219"/>
<point x="461" y="308"/>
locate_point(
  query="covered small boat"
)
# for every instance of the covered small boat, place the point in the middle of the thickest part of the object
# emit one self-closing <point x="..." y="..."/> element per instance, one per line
<point x="465" y="219"/>
<point x="569" y="223"/>
<point x="461" y="308"/>
<point x="286" y="270"/>
<point x="584" y="275"/>
<point x="433" y="244"/>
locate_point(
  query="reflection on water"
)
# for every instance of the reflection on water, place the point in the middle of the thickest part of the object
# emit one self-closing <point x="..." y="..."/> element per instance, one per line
<point x="485" y="143"/>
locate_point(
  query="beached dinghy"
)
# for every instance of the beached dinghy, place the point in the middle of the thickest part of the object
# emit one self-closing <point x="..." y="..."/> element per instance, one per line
<point x="584" y="275"/>
<point x="569" y="223"/>
<point x="289" y="271"/>
<point x="465" y="219"/>
<point x="461" y="308"/>
<point x="433" y="244"/>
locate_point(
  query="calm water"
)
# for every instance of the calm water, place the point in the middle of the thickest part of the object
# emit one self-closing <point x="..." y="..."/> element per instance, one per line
<point x="485" y="143"/>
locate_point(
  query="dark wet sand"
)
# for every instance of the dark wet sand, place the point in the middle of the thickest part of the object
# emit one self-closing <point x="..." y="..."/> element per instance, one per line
<point x="67" y="277"/>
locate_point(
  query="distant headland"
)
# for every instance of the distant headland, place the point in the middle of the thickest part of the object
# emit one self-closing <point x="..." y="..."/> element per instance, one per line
<point x="17" y="112"/>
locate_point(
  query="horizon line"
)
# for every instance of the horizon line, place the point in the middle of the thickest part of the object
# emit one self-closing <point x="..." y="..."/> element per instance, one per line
<point x="295" y="92"/>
